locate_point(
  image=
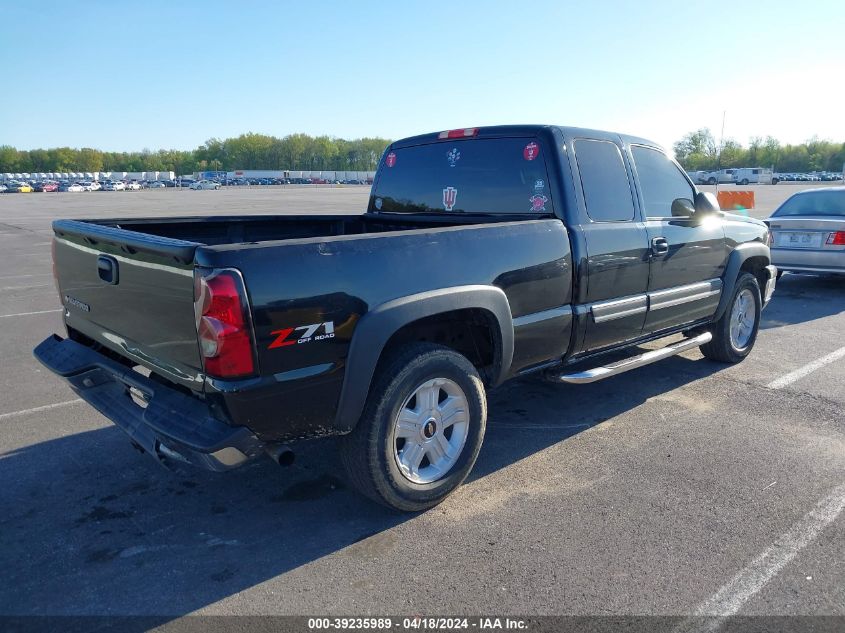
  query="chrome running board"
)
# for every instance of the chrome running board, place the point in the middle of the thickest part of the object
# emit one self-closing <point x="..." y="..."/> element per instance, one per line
<point x="619" y="367"/>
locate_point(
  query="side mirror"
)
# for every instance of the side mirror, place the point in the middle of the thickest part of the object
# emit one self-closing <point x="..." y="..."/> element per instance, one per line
<point x="706" y="203"/>
<point x="682" y="208"/>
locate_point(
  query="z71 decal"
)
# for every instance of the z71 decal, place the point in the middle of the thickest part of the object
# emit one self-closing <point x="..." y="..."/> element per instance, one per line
<point x="288" y="335"/>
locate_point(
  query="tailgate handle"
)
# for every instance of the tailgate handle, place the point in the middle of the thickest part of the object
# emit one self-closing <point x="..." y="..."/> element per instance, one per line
<point x="107" y="269"/>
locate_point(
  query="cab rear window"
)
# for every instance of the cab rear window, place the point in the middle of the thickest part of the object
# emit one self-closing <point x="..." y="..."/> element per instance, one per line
<point x="503" y="176"/>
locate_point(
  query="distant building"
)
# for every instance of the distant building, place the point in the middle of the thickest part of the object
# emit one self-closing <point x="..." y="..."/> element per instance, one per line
<point x="88" y="175"/>
<point x="285" y="173"/>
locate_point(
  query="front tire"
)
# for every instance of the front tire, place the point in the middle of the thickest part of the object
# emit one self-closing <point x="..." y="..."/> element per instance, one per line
<point x="421" y="429"/>
<point x="735" y="333"/>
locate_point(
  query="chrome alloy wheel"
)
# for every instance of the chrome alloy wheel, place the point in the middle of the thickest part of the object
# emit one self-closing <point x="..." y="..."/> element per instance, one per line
<point x="743" y="316"/>
<point x="430" y="430"/>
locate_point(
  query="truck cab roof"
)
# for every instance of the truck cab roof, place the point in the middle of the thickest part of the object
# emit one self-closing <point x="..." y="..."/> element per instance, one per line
<point x="498" y="131"/>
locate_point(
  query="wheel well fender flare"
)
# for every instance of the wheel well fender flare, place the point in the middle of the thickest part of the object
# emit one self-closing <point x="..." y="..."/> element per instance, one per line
<point x="377" y="326"/>
<point x="737" y="258"/>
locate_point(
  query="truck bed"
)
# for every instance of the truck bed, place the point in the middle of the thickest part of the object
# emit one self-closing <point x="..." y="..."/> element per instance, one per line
<point x="297" y="271"/>
<point x="215" y="231"/>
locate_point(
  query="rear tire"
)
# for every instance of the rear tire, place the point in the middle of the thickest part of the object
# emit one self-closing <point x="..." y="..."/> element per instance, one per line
<point x="421" y="429"/>
<point x="735" y="333"/>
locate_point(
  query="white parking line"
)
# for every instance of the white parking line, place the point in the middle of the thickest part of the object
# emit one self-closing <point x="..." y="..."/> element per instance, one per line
<point x="26" y="287"/>
<point x="807" y="369"/>
<point x="6" y="316"/>
<point x="46" y="407"/>
<point x="23" y="276"/>
<point x="742" y="587"/>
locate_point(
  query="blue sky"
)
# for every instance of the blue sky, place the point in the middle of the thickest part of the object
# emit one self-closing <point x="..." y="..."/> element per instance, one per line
<point x="133" y="75"/>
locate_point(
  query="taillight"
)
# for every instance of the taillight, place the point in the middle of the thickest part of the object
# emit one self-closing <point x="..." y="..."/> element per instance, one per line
<point x="462" y="133"/>
<point x="836" y="239"/>
<point x="222" y="324"/>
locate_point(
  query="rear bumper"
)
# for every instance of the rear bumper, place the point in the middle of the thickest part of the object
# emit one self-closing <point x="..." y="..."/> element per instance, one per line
<point x="172" y="426"/>
<point x="809" y="260"/>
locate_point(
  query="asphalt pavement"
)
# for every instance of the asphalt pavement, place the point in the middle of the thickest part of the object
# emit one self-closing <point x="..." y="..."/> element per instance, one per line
<point x="685" y="487"/>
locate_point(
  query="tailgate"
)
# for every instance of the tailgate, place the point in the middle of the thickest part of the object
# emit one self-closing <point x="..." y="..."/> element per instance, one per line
<point x="131" y="292"/>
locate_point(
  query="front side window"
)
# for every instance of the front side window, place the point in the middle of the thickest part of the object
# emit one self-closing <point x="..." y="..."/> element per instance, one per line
<point x="607" y="192"/>
<point x="496" y="175"/>
<point x="661" y="181"/>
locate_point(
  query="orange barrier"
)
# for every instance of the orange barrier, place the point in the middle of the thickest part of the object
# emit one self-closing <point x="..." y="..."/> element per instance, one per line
<point x="735" y="200"/>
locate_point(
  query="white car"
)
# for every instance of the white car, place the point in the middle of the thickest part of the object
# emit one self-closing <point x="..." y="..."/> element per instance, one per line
<point x="76" y="187"/>
<point x="133" y="186"/>
<point x="717" y="177"/>
<point x="90" y="186"/>
<point x="205" y="184"/>
<point x="114" y="186"/>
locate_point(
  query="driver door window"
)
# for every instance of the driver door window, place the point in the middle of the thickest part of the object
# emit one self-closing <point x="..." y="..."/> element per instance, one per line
<point x="661" y="183"/>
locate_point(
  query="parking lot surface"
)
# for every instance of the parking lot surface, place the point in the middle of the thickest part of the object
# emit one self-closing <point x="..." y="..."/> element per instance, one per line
<point x="680" y="488"/>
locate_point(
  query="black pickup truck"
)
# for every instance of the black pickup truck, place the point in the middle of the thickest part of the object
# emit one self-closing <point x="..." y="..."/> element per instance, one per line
<point x="484" y="254"/>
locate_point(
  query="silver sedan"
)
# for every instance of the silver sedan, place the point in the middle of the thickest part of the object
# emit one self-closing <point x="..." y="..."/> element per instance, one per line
<point x="808" y="232"/>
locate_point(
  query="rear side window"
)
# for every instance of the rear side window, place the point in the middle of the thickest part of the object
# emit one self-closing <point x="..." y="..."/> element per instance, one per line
<point x="661" y="181"/>
<point x="503" y="175"/>
<point x="607" y="192"/>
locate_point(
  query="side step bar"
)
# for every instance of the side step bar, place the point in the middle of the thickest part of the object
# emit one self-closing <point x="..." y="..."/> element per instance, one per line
<point x="600" y="373"/>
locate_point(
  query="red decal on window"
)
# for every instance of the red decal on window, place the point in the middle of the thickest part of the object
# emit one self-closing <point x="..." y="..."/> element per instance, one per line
<point x="280" y="340"/>
<point x="531" y="151"/>
<point x="450" y="195"/>
<point x="390" y="160"/>
<point x="538" y="202"/>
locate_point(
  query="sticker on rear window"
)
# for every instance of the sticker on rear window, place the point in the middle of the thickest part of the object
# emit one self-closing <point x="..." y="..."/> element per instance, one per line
<point x="390" y="160"/>
<point x="378" y="204"/>
<point x="450" y="195"/>
<point x="453" y="156"/>
<point x="538" y="202"/>
<point x="531" y="151"/>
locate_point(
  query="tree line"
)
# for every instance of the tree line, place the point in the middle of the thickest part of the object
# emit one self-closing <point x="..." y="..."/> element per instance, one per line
<point x="247" y="151"/>
<point x="699" y="151"/>
<point x="696" y="150"/>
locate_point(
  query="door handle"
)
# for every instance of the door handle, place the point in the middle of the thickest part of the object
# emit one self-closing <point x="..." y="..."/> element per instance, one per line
<point x="659" y="246"/>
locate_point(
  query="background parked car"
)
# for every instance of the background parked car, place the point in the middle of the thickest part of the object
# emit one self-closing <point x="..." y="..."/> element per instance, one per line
<point x="756" y="175"/>
<point x="75" y="188"/>
<point x="19" y="187"/>
<point x="133" y="186"/>
<point x="114" y="186"/>
<point x="722" y="176"/>
<point x="156" y="184"/>
<point x="205" y="184"/>
<point x="808" y="232"/>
